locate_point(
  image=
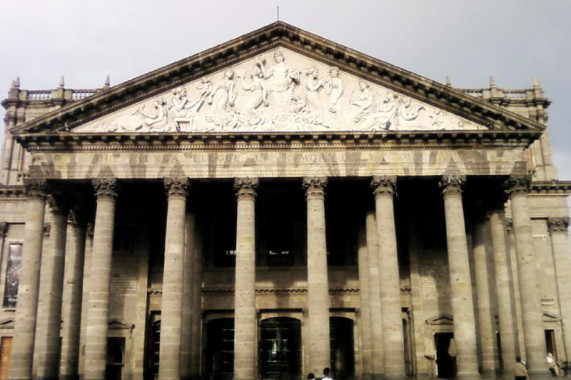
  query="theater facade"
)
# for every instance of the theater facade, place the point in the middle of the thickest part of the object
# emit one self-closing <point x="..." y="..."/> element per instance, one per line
<point x="273" y="206"/>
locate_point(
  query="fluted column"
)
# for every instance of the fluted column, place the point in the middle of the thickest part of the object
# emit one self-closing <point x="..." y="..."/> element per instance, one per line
<point x="51" y="288"/>
<point x="245" y="325"/>
<point x="25" y="318"/>
<point x="100" y="276"/>
<point x="504" y="286"/>
<point x="558" y="231"/>
<point x="483" y="275"/>
<point x="377" y="354"/>
<point x="365" y="323"/>
<point x="460" y="281"/>
<point x="317" y="276"/>
<point x="533" y="332"/>
<point x="391" y="306"/>
<point x="171" y="301"/>
<point x="72" y="296"/>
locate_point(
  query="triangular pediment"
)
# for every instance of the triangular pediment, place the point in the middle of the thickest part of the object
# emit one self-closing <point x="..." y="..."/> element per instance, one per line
<point x="278" y="79"/>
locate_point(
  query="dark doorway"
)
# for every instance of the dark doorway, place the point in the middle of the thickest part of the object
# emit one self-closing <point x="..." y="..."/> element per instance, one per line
<point x="550" y="345"/>
<point x="115" y="349"/>
<point x="280" y="349"/>
<point x="219" y="358"/>
<point x="445" y="355"/>
<point x="342" y="348"/>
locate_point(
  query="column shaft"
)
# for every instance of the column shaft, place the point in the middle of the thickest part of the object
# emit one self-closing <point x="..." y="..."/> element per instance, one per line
<point x="483" y="273"/>
<point x="558" y="230"/>
<point x="460" y="280"/>
<point x="171" y="301"/>
<point x="365" y="323"/>
<point x="377" y="365"/>
<point x="100" y="275"/>
<point x="530" y="301"/>
<point x="51" y="288"/>
<point x="391" y="306"/>
<point x="72" y="298"/>
<point x="317" y="276"/>
<point x="245" y="324"/>
<point x="25" y="318"/>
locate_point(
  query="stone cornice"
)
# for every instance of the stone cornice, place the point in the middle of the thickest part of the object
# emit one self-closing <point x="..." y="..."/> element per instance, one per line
<point x="252" y="44"/>
<point x="17" y="192"/>
<point x="68" y="142"/>
<point x="550" y="187"/>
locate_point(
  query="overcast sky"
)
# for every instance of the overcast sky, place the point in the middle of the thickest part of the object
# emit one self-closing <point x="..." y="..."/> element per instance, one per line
<point x="512" y="40"/>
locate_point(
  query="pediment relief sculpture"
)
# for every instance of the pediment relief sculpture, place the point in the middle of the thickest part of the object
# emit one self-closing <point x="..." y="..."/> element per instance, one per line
<point x="280" y="91"/>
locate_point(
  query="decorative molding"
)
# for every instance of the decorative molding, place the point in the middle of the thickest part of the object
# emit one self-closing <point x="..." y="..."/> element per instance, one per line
<point x="558" y="224"/>
<point x="384" y="185"/>
<point x="36" y="188"/>
<point x="314" y="186"/>
<point x="452" y="184"/>
<point x="177" y="186"/>
<point x="517" y="185"/>
<point x="246" y="186"/>
<point x="105" y="187"/>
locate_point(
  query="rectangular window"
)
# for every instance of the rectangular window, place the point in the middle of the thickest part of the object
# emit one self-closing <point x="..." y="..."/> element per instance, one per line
<point x="13" y="275"/>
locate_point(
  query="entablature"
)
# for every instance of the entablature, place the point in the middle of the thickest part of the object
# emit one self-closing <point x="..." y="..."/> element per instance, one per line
<point x="71" y="142"/>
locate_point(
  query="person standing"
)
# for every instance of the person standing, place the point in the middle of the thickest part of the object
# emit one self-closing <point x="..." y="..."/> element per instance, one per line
<point x="519" y="369"/>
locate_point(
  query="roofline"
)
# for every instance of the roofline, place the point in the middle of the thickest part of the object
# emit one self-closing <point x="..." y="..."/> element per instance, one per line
<point x="263" y="39"/>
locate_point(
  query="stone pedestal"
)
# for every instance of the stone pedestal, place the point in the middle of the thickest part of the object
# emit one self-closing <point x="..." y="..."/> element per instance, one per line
<point x="533" y="332"/>
<point x="25" y="318"/>
<point x="460" y="281"/>
<point x="171" y="301"/>
<point x="100" y="275"/>
<point x="245" y="323"/>
<point x="317" y="276"/>
<point x="558" y="231"/>
<point x="51" y="288"/>
<point x="391" y="306"/>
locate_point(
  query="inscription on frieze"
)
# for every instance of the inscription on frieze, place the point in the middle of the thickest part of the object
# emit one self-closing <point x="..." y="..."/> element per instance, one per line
<point x="280" y="91"/>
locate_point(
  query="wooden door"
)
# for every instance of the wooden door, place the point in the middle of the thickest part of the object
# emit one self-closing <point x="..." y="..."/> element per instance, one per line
<point x="5" y="348"/>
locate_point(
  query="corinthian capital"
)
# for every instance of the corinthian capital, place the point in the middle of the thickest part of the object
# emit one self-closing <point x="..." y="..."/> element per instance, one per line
<point x="105" y="187"/>
<point x="314" y="186"/>
<point x="177" y="186"/>
<point x="452" y="184"/>
<point x="384" y="185"/>
<point x="557" y="224"/>
<point x="246" y="186"/>
<point x="36" y="188"/>
<point x="517" y="185"/>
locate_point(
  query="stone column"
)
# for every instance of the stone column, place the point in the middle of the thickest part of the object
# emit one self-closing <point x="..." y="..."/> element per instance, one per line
<point x="460" y="281"/>
<point x="377" y="365"/>
<point x="85" y="296"/>
<point x="245" y="322"/>
<point x="100" y="275"/>
<point x="504" y="287"/>
<point x="534" y="336"/>
<point x="72" y="297"/>
<point x="51" y="288"/>
<point x="25" y="318"/>
<point x="196" y="307"/>
<point x="391" y="306"/>
<point x="365" y="322"/>
<point x="317" y="276"/>
<point x="483" y="275"/>
<point x="558" y="231"/>
<point x="171" y="301"/>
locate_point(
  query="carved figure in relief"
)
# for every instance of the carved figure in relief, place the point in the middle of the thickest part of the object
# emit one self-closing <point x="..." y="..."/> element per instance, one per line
<point x="407" y="111"/>
<point x="284" y="80"/>
<point x="363" y="101"/>
<point x="437" y="118"/>
<point x="157" y="121"/>
<point x="222" y="100"/>
<point x="179" y="103"/>
<point x="313" y="86"/>
<point x="385" y="113"/>
<point x="334" y="88"/>
<point x="259" y="95"/>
